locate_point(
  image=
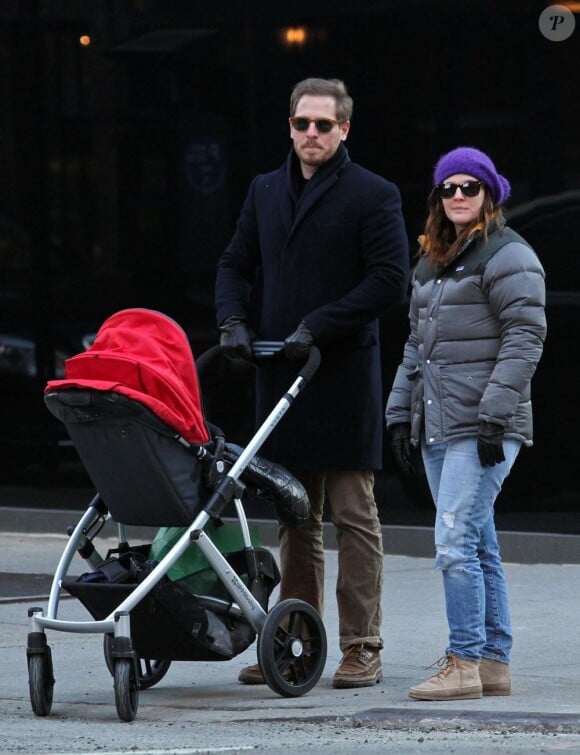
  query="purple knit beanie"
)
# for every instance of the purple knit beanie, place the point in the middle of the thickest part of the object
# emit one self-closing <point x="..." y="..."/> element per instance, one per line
<point x="474" y="163"/>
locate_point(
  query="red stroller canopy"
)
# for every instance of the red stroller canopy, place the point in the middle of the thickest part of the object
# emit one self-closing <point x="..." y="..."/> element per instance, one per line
<point x="146" y="356"/>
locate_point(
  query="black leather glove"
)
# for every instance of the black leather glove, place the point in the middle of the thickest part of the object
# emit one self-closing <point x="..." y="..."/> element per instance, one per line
<point x="403" y="451"/>
<point x="236" y="339"/>
<point x="297" y="345"/>
<point x="489" y="444"/>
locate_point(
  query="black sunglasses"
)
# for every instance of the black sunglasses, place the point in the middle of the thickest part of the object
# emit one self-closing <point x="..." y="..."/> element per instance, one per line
<point x="324" y="125"/>
<point x="446" y="190"/>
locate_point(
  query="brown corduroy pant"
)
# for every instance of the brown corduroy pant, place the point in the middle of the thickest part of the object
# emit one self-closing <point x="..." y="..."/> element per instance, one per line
<point x="353" y="512"/>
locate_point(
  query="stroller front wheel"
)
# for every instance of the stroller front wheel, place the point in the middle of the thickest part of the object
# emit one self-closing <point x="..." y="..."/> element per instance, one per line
<point x="292" y="648"/>
<point x="41" y="683"/>
<point x="126" y="689"/>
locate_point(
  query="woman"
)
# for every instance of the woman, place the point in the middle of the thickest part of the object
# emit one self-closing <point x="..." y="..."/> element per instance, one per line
<point x="462" y="394"/>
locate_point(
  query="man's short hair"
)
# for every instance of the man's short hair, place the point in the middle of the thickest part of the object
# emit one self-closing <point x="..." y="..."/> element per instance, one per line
<point x="324" y="88"/>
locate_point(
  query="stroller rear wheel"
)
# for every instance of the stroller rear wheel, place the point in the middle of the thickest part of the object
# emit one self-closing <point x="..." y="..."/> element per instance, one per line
<point x="126" y="689"/>
<point x="292" y="648"/>
<point x="149" y="672"/>
<point x="41" y="683"/>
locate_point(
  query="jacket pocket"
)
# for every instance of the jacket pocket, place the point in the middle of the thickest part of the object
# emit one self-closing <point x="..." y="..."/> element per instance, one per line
<point x="461" y="389"/>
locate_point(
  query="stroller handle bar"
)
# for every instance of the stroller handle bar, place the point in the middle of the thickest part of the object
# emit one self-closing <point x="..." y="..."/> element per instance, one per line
<point x="227" y="488"/>
<point x="265" y="349"/>
<point x="312" y="364"/>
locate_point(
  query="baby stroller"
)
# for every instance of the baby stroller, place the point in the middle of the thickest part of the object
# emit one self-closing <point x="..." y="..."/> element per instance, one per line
<point x="132" y="406"/>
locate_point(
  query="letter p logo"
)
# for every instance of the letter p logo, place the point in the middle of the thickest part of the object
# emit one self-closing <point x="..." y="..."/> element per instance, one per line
<point x="557" y="23"/>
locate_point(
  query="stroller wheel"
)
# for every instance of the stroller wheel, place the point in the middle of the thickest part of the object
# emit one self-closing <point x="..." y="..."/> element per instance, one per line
<point x="41" y="683"/>
<point x="126" y="689"/>
<point x="292" y="648"/>
<point x="149" y="672"/>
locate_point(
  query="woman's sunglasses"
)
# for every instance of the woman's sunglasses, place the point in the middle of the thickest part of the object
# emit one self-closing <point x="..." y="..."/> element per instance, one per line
<point x="323" y="125"/>
<point x="446" y="190"/>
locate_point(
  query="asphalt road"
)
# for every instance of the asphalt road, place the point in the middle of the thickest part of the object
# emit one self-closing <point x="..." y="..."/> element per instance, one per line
<point x="201" y="708"/>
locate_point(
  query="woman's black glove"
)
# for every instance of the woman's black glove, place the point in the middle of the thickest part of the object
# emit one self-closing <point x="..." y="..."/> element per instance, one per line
<point x="403" y="451"/>
<point x="236" y="339"/>
<point x="489" y="444"/>
<point x="297" y="345"/>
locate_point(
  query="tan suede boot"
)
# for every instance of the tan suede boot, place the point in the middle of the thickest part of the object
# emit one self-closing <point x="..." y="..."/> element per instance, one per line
<point x="495" y="677"/>
<point x="458" y="680"/>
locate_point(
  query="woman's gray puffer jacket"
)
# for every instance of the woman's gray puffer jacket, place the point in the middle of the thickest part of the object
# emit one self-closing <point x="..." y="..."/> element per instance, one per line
<point x="477" y="332"/>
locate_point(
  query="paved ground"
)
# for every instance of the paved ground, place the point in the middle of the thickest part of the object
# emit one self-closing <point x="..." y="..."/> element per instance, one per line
<point x="200" y="707"/>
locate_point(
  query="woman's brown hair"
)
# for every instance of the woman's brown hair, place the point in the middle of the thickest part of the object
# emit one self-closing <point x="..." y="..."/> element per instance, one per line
<point x="441" y="241"/>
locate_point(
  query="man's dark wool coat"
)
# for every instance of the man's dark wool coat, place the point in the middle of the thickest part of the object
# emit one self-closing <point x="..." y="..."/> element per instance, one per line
<point x="335" y="255"/>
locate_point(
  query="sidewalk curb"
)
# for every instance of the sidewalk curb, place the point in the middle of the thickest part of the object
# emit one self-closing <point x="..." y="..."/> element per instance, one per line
<point x="417" y="542"/>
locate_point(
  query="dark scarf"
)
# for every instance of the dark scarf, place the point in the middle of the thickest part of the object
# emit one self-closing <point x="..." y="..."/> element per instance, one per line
<point x="298" y="186"/>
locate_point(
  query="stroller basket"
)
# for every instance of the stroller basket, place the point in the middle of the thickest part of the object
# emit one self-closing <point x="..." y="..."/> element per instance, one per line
<point x="172" y="622"/>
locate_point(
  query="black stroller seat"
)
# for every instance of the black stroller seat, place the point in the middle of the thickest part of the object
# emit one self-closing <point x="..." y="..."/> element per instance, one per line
<point x="143" y="474"/>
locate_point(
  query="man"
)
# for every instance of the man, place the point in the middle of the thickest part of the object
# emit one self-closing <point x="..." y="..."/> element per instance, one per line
<point x="319" y="252"/>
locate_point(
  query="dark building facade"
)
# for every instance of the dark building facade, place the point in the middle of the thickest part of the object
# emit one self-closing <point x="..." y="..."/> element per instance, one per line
<point x="130" y="132"/>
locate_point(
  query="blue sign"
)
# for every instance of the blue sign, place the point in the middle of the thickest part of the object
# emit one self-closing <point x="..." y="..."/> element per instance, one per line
<point x="205" y="164"/>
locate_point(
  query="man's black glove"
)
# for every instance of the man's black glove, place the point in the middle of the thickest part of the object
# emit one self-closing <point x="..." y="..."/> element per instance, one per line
<point x="236" y="339"/>
<point x="297" y="345"/>
<point x="489" y="444"/>
<point x="403" y="451"/>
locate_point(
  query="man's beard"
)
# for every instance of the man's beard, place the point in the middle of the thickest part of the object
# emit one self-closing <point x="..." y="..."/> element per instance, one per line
<point x="312" y="158"/>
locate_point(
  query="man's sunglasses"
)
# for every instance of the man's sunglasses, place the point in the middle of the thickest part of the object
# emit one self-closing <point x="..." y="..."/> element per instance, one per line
<point x="446" y="190"/>
<point x="323" y="125"/>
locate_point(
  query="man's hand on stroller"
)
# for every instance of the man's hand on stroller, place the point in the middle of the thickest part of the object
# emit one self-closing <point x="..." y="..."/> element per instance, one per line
<point x="297" y="345"/>
<point x="236" y="339"/>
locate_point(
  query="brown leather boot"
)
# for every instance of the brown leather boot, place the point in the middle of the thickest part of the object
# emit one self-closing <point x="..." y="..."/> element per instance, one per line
<point x="253" y="675"/>
<point x="458" y="680"/>
<point x="495" y="677"/>
<point x="360" y="667"/>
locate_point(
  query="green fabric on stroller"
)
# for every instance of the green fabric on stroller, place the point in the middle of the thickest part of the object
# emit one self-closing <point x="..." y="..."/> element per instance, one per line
<point x="226" y="536"/>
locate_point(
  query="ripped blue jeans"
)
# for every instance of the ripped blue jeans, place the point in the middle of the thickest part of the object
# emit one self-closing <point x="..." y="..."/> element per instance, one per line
<point x="467" y="550"/>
